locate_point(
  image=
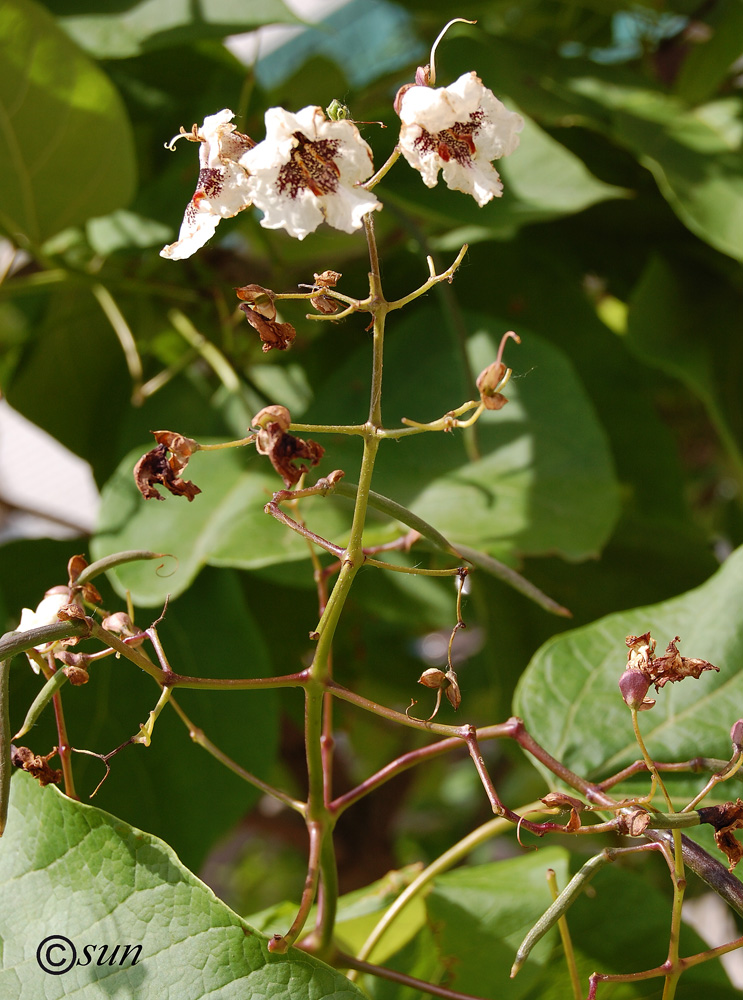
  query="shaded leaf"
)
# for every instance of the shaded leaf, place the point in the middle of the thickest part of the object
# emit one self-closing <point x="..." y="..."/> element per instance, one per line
<point x="69" y="152"/>
<point x="543" y="455"/>
<point x="570" y="699"/>
<point x="488" y="909"/>
<point x="152" y="24"/>
<point x="225" y="526"/>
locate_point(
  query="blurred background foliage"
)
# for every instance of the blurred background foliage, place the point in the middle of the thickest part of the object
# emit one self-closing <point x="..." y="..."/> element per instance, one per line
<point x="613" y="479"/>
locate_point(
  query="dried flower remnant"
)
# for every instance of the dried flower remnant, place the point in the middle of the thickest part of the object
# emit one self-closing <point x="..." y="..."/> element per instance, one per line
<point x="306" y="171"/>
<point x="322" y="302"/>
<point x="492" y="379"/>
<point x="260" y="311"/>
<point x="75" y="567"/>
<point x="223" y="187"/>
<point x="645" y="668"/>
<point x="726" y="818"/>
<point x="281" y="448"/>
<point x="457" y="130"/>
<point x="76" y="667"/>
<point x="156" y="467"/>
<point x="445" y="683"/>
<point x="37" y="765"/>
<point x="566" y="803"/>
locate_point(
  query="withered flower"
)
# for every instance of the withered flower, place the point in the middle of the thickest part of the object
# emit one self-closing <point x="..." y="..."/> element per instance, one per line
<point x="322" y="302"/>
<point x="672" y="666"/>
<point x="444" y="682"/>
<point x="645" y="668"/>
<point x="488" y="382"/>
<point x="260" y="311"/>
<point x="36" y="765"/>
<point x="566" y="803"/>
<point x="75" y="566"/>
<point x="492" y="379"/>
<point x="282" y="448"/>
<point x="726" y="818"/>
<point x="156" y="467"/>
<point x="76" y="667"/>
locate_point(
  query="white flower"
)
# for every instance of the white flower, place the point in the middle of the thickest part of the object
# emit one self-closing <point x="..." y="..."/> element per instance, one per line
<point x="222" y="189"/>
<point x="45" y="614"/>
<point x="458" y="129"/>
<point x="305" y="172"/>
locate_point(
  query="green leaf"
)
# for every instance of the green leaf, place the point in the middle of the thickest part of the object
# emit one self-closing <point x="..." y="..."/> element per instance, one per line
<point x="570" y="702"/>
<point x="544" y="482"/>
<point x="224" y="526"/>
<point x="79" y="872"/>
<point x="710" y="60"/>
<point x="694" y="154"/>
<point x="207" y="632"/>
<point x="486" y="910"/>
<point x="620" y="926"/>
<point x="154" y="24"/>
<point x="687" y="324"/>
<point x="74" y="356"/>
<point x="549" y="180"/>
<point x="68" y="145"/>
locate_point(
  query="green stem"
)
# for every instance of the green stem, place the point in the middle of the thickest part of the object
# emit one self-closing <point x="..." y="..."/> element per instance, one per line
<point x="5" y="763"/>
<point x="447" y="860"/>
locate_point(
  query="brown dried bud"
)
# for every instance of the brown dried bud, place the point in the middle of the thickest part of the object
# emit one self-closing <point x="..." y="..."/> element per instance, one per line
<point x="36" y="765"/>
<point x="273" y="334"/>
<point x="634" y="686"/>
<point x="489" y="381"/>
<point x="452" y="692"/>
<point x="446" y="682"/>
<point x="281" y="448"/>
<point x="76" y="675"/>
<point x="272" y="414"/>
<point x="633" y="821"/>
<point x="736" y="734"/>
<point x="725" y="819"/>
<point x="433" y="678"/>
<point x="71" y="612"/>
<point x="261" y="300"/>
<point x="328" y="279"/>
<point x="75" y="566"/>
<point x="325" y="305"/>
<point x="181" y="448"/>
<point x="563" y="802"/>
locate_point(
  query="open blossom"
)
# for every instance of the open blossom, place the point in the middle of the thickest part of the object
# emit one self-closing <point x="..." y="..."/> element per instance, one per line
<point x="305" y="172"/>
<point x="222" y="189"/>
<point x="45" y="614"/>
<point x="459" y="130"/>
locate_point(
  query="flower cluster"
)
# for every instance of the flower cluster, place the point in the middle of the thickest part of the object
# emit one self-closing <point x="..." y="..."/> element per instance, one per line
<point x="306" y="171"/>
<point x="312" y="168"/>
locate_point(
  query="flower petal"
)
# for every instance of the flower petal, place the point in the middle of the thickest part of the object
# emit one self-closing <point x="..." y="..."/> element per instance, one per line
<point x="458" y="130"/>
<point x="306" y="171"/>
<point x="222" y="189"/>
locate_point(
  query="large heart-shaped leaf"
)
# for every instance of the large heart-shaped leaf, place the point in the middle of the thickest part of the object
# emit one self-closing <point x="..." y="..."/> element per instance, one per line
<point x="68" y="152"/>
<point x="571" y="704"/>
<point x="85" y="878"/>
<point x="544" y="480"/>
<point x="225" y="526"/>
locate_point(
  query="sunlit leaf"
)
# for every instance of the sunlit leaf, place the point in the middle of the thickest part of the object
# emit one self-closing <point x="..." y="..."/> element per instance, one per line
<point x="152" y="24"/>
<point x="571" y="703"/>
<point x="79" y="872"/>
<point x="67" y="139"/>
